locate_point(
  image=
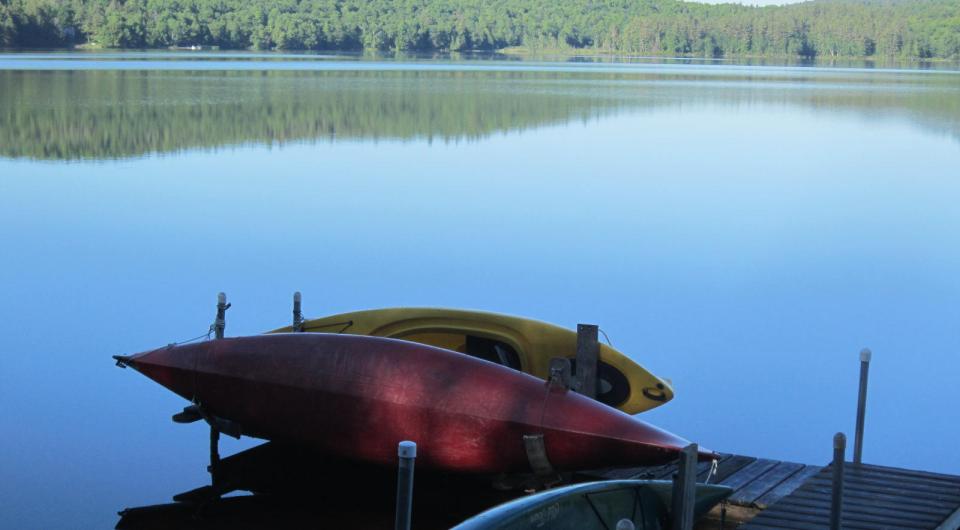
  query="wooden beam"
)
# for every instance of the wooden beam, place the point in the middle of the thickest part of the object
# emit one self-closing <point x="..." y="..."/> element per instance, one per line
<point x="588" y="357"/>
<point x="684" y="489"/>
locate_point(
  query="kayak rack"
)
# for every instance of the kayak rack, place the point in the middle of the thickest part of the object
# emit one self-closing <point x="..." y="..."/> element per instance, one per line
<point x="584" y="381"/>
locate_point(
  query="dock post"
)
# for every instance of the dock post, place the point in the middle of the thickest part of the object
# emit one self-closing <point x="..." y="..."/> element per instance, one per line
<point x="220" y="324"/>
<point x="684" y="489"/>
<point x="297" y="314"/>
<point x="588" y="357"/>
<point x="836" y="496"/>
<point x="865" y="355"/>
<point x="407" y="451"/>
<point x="214" y="454"/>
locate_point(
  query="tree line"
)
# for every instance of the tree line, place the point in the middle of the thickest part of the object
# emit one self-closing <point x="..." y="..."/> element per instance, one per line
<point x="921" y="29"/>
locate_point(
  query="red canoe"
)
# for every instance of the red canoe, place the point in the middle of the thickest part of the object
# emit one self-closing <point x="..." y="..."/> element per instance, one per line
<point x="358" y="396"/>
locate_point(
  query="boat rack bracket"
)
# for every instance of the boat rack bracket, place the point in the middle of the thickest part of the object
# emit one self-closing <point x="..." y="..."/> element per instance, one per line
<point x="560" y="374"/>
<point x="193" y="413"/>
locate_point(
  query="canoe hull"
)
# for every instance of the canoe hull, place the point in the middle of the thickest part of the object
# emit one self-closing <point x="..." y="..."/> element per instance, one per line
<point x="594" y="505"/>
<point x="359" y="396"/>
<point x="625" y="384"/>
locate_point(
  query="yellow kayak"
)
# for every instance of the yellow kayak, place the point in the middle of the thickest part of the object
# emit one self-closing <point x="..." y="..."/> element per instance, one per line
<point x="520" y="343"/>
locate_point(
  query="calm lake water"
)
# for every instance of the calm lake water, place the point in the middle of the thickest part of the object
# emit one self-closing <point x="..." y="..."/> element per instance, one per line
<point x="741" y="230"/>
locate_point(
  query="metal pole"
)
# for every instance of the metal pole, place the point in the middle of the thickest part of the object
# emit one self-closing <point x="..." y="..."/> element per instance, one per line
<point x="220" y="325"/>
<point x="836" y="497"/>
<point x="214" y="454"/>
<point x="407" y="451"/>
<point x="297" y="314"/>
<point x="588" y="355"/>
<point x="684" y="489"/>
<point x="865" y="356"/>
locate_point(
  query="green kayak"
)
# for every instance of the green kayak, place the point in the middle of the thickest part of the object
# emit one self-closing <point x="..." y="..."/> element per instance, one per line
<point x="595" y="505"/>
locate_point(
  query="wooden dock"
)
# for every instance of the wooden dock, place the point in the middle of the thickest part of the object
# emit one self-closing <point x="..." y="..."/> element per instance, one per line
<point x="777" y="495"/>
<point x="874" y="497"/>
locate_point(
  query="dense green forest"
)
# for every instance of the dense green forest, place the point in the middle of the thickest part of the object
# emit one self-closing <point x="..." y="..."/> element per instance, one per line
<point x="823" y="28"/>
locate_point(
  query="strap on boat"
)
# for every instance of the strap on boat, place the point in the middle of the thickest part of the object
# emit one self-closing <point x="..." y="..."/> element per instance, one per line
<point x="537" y="455"/>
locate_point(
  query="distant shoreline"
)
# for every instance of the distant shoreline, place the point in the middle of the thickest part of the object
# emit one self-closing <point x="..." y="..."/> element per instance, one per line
<point x="563" y="52"/>
<point x="836" y="29"/>
<point x="521" y="52"/>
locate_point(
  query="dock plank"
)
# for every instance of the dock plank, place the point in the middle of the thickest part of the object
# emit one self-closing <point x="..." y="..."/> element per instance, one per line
<point x="774" y="495"/>
<point x="888" y="512"/>
<point x="786" y="487"/>
<point x="905" y="490"/>
<point x="748" y="473"/>
<point x="855" y="496"/>
<point x="874" y="497"/>
<point x="727" y="467"/>
<point x="765" y="483"/>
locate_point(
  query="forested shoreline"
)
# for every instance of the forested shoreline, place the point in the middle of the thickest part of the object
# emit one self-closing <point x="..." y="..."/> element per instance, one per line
<point x="914" y="29"/>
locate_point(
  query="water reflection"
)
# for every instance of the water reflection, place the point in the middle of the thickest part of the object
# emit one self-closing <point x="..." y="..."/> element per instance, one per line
<point x="295" y="487"/>
<point x="118" y="113"/>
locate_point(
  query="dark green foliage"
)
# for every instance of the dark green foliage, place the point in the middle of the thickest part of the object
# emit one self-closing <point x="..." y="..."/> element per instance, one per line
<point x="832" y="28"/>
<point x="7" y="29"/>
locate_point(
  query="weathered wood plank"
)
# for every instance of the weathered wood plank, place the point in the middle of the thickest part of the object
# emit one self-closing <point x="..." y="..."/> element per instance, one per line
<point x="906" y="490"/>
<point x="926" y="475"/>
<point x="795" y="521"/>
<point x="821" y="519"/>
<point x="727" y="467"/>
<point x="883" y="476"/>
<point x="659" y="472"/>
<point x="905" y="493"/>
<point x="786" y="487"/>
<point x="705" y="470"/>
<point x="923" y="505"/>
<point x="748" y="473"/>
<point x="920" y="487"/>
<point x="874" y="497"/>
<point x="649" y="472"/>
<point x="847" y="519"/>
<point x="766" y="482"/>
<point x="889" y="513"/>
